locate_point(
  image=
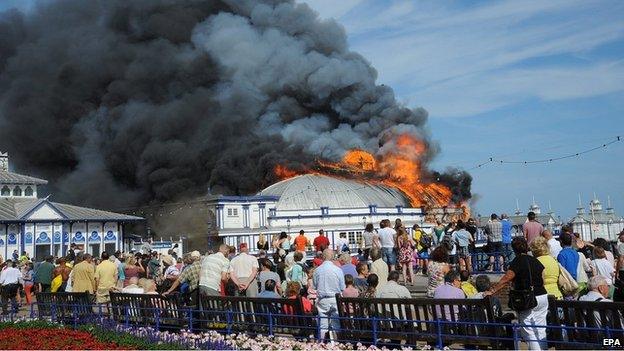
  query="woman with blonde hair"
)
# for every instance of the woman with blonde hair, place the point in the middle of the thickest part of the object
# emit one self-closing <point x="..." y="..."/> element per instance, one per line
<point x="550" y="274"/>
<point x="263" y="244"/>
<point x="132" y="268"/>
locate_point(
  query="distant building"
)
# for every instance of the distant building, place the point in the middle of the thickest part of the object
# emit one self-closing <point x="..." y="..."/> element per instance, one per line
<point x="42" y="227"/>
<point x="312" y="202"/>
<point x="548" y="220"/>
<point x="596" y="222"/>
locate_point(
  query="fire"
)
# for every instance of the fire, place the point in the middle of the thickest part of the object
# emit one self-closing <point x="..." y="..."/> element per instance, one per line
<point x="398" y="165"/>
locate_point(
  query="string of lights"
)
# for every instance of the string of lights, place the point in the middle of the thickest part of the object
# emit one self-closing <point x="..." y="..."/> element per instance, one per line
<point x="493" y="160"/>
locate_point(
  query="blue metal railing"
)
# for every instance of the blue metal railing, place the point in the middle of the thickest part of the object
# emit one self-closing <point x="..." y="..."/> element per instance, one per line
<point x="379" y="330"/>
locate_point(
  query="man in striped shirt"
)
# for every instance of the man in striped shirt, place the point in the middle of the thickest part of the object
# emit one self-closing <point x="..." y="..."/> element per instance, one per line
<point x="214" y="269"/>
<point x="494" y="231"/>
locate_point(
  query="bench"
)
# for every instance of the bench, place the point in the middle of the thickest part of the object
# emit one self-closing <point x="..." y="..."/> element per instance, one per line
<point x="64" y="306"/>
<point x="255" y="315"/>
<point x="576" y="316"/>
<point x="171" y="312"/>
<point x="415" y="320"/>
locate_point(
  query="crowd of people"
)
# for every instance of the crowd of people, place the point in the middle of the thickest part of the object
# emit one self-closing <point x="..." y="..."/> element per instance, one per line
<point x="388" y="259"/>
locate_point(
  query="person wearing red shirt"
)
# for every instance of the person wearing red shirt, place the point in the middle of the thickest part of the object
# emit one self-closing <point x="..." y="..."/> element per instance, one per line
<point x="321" y="242"/>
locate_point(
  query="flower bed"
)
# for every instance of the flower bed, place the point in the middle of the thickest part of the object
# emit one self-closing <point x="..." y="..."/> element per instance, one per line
<point x="43" y="335"/>
<point x="107" y="335"/>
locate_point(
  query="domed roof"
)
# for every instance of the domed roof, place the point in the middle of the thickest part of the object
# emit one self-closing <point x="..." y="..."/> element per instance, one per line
<point x="313" y="191"/>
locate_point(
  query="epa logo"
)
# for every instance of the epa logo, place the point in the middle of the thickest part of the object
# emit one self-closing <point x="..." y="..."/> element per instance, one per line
<point x="612" y="342"/>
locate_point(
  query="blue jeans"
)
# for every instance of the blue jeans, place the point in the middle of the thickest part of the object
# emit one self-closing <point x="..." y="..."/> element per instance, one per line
<point x="388" y="255"/>
<point x="508" y="253"/>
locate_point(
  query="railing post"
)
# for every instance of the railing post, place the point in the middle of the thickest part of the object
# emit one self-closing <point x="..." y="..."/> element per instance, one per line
<point x="270" y="322"/>
<point x="375" y="332"/>
<point x="126" y="316"/>
<point x="75" y="317"/>
<point x="228" y="317"/>
<point x="53" y="312"/>
<point x="32" y="309"/>
<point x="157" y="318"/>
<point x="190" y="314"/>
<point x="319" y="337"/>
<point x="607" y="331"/>
<point x="440" y="345"/>
<point x="516" y="338"/>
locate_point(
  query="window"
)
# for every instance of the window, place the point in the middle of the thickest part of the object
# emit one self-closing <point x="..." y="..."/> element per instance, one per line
<point x="352" y="238"/>
<point x="229" y="212"/>
<point x="17" y="191"/>
<point x="232" y="212"/>
<point x="5" y="191"/>
<point x="28" y="191"/>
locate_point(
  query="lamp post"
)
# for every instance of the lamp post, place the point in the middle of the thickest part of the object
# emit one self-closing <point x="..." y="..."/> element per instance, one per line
<point x="288" y="225"/>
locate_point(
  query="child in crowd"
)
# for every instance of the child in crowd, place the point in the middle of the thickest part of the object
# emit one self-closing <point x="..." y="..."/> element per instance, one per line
<point x="360" y="281"/>
<point x="350" y="290"/>
<point x="466" y="285"/>
<point x="311" y="288"/>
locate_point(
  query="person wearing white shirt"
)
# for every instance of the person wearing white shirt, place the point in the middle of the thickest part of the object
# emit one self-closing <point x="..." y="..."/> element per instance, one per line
<point x="387" y="238"/>
<point x="553" y="244"/>
<point x="243" y="271"/>
<point x="10" y="278"/>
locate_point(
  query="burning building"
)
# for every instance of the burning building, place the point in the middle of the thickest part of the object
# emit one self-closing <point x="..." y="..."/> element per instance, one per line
<point x="339" y="197"/>
<point x="147" y="103"/>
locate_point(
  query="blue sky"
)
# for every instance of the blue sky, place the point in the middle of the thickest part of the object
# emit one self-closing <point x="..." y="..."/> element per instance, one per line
<point x="513" y="80"/>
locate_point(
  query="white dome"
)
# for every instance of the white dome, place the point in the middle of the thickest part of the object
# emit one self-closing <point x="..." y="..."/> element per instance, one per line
<point x="313" y="191"/>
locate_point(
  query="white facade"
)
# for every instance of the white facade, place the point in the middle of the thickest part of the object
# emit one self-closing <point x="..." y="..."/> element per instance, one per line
<point x="310" y="203"/>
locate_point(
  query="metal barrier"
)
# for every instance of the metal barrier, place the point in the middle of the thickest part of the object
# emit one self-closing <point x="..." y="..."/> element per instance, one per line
<point x="439" y="333"/>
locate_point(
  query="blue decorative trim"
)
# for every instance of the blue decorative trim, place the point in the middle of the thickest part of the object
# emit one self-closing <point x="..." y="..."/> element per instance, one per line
<point x="225" y="198"/>
<point x="65" y="237"/>
<point x="79" y="238"/>
<point x="110" y="236"/>
<point x="43" y="238"/>
<point x="28" y="238"/>
<point x="41" y="204"/>
<point x="12" y="239"/>
<point x="1" y="242"/>
<point x="94" y="236"/>
<point x="57" y="237"/>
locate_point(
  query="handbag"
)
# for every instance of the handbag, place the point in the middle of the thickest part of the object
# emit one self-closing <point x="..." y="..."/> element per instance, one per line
<point x="566" y="282"/>
<point x="521" y="300"/>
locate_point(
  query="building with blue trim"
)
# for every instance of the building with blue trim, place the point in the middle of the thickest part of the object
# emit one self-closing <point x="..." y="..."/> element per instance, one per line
<point x="42" y="227"/>
<point x="312" y="202"/>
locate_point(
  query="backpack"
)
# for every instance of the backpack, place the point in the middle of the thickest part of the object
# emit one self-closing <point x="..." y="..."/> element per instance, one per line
<point x="344" y="248"/>
<point x="447" y="242"/>
<point x="425" y="240"/>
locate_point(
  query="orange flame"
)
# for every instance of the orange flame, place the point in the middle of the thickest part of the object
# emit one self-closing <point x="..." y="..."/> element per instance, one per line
<point x="399" y="167"/>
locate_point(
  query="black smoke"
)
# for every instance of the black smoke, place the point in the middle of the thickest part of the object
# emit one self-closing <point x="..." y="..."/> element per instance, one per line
<point x="459" y="181"/>
<point x="121" y="102"/>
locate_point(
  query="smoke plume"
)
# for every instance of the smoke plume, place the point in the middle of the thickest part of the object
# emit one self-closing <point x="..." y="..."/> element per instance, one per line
<point x="119" y="102"/>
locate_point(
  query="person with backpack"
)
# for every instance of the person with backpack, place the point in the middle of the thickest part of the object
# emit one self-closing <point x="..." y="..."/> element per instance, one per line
<point x="298" y="272"/>
<point x="448" y="242"/>
<point x="494" y="232"/>
<point x="423" y="243"/>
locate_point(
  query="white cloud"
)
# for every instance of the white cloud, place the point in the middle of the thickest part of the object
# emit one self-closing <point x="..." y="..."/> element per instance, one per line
<point x="464" y="61"/>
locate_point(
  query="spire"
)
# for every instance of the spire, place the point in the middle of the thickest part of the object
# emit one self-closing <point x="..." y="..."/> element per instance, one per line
<point x="580" y="202"/>
<point x="518" y="211"/>
<point x="580" y="210"/>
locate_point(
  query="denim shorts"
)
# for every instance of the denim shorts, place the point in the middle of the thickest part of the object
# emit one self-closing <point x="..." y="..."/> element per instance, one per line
<point x="388" y="255"/>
